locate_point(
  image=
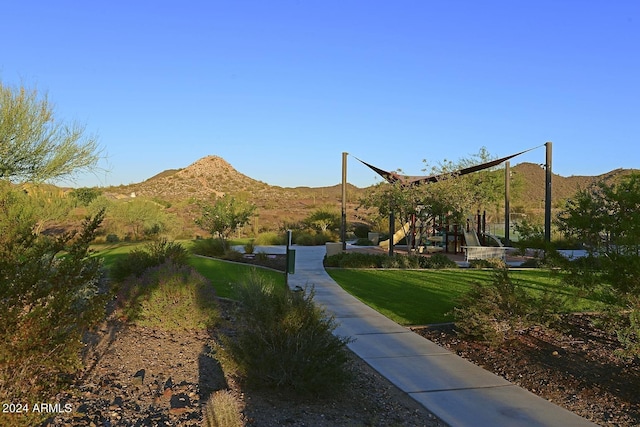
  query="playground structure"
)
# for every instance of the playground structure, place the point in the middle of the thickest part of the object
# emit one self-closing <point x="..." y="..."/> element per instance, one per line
<point x="431" y="236"/>
<point x="443" y="240"/>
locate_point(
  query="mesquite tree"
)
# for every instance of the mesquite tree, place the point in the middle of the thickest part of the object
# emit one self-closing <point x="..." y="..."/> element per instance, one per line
<point x="36" y="146"/>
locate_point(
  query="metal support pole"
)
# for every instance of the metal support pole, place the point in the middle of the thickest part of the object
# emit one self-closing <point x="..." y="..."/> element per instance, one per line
<point x="343" y="227"/>
<point x="286" y="270"/>
<point x="547" y="198"/>
<point x="392" y="231"/>
<point x="507" y="200"/>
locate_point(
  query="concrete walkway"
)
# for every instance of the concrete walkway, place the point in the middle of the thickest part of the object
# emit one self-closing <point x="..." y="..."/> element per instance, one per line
<point x="455" y="390"/>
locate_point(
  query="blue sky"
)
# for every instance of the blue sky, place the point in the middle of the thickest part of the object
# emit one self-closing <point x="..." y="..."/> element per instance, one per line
<point x="281" y="88"/>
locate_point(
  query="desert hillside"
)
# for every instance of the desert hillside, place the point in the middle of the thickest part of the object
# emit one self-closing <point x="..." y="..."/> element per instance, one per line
<point x="213" y="176"/>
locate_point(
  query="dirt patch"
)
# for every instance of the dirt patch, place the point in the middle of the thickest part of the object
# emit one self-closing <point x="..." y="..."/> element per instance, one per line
<point x="142" y="376"/>
<point x="575" y="369"/>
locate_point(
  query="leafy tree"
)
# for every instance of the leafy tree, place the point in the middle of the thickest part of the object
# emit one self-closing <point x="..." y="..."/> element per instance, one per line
<point x="323" y="219"/>
<point x="48" y="203"/>
<point x="606" y="219"/>
<point x="450" y="198"/>
<point x="85" y="195"/>
<point x="34" y="145"/>
<point x="141" y="217"/>
<point x="225" y="216"/>
<point x="49" y="287"/>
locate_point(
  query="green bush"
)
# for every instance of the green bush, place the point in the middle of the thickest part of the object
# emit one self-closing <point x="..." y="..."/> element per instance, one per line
<point x="270" y="238"/>
<point x="304" y="239"/>
<point x="112" y="238"/>
<point x="307" y="238"/>
<point x="232" y="255"/>
<point x="361" y="231"/>
<point x="401" y="261"/>
<point x="50" y="294"/>
<point x="250" y="247"/>
<point x="354" y="260"/>
<point x="363" y="241"/>
<point x="155" y="253"/>
<point x="286" y="341"/>
<point x="162" y="250"/>
<point x="438" y="261"/>
<point x="169" y="296"/>
<point x="365" y="260"/>
<point x="262" y="256"/>
<point x="495" y="311"/>
<point x="210" y="247"/>
<point x="133" y="264"/>
<point x="487" y="263"/>
<point x="627" y="326"/>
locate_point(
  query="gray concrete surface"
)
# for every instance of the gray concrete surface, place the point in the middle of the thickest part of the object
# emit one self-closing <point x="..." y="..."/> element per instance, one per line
<point x="455" y="390"/>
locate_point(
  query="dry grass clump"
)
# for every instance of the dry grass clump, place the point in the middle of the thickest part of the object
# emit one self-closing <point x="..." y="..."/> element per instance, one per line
<point x="222" y="410"/>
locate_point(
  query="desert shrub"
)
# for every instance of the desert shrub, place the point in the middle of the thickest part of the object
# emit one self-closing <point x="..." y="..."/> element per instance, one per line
<point x="401" y="261"/>
<point x="365" y="260"/>
<point x="487" y="263"/>
<point x="249" y="247"/>
<point x="438" y="261"/>
<point x="168" y="296"/>
<point x="162" y="250"/>
<point x="361" y="231"/>
<point x="363" y="241"/>
<point x="270" y="238"/>
<point x="232" y="255"/>
<point x="112" y="238"/>
<point x="133" y="264"/>
<point x="155" y="253"/>
<point x="50" y="294"/>
<point x="222" y="410"/>
<point x="532" y="263"/>
<point x="627" y="326"/>
<point x="494" y="311"/>
<point x="306" y="238"/>
<point x="210" y="247"/>
<point x="286" y="341"/>
<point x="354" y="260"/>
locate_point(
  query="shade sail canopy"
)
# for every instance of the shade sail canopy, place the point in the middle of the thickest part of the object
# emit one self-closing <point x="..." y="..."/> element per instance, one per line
<point x="408" y="180"/>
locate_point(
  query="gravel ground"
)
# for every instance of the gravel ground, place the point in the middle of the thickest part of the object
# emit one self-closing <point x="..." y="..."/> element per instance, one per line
<point x="143" y="377"/>
<point x="576" y="369"/>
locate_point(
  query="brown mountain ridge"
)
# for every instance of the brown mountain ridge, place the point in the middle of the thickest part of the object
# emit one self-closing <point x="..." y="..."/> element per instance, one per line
<point x="212" y="176"/>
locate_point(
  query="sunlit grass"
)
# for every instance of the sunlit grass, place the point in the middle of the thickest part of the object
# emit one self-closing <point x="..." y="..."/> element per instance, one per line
<point x="223" y="275"/>
<point x="418" y="297"/>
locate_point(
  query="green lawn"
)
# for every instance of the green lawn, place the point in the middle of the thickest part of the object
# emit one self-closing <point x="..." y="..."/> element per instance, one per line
<point x="221" y="274"/>
<point x="111" y="251"/>
<point x="418" y="297"/>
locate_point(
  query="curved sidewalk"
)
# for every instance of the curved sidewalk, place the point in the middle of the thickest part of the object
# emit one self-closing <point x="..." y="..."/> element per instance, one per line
<point x="455" y="390"/>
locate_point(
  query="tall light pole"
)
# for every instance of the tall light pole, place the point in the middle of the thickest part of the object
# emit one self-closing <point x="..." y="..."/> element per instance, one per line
<point x="343" y="227"/>
<point x="507" y="200"/>
<point x="547" y="195"/>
